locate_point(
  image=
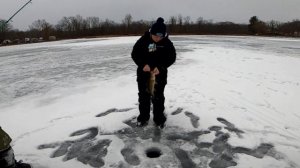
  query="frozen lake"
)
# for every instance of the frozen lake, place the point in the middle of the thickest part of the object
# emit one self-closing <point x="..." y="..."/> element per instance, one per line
<point x="37" y="68"/>
<point x="230" y="102"/>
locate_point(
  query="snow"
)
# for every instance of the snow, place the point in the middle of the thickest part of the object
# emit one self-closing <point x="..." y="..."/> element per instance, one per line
<point x="250" y="85"/>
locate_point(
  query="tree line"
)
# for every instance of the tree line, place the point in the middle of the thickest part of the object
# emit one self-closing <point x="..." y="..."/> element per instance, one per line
<point x="77" y="26"/>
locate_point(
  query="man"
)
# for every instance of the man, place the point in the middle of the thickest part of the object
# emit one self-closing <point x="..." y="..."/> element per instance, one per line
<point x="7" y="158"/>
<point x="153" y="53"/>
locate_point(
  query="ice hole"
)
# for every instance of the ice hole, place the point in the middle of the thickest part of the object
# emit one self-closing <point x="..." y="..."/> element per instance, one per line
<point x="153" y="153"/>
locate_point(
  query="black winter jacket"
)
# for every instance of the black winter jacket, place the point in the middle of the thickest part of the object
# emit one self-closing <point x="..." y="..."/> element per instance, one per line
<point x="163" y="57"/>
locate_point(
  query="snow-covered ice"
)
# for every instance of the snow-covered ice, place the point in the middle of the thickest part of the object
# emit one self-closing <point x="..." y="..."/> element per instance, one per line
<point x="230" y="102"/>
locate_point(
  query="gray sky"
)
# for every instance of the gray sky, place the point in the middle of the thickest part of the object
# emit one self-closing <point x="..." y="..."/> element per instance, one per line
<point x="238" y="11"/>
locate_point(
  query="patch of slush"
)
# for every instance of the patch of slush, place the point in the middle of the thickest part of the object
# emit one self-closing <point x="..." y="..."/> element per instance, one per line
<point x="153" y="147"/>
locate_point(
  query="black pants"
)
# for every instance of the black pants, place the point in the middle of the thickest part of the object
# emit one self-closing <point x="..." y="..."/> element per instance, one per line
<point x="145" y="99"/>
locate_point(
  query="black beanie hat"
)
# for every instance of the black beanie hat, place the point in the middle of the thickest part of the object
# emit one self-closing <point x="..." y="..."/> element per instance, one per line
<point x="158" y="28"/>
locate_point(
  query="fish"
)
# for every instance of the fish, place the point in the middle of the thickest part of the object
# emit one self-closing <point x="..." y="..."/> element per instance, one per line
<point x="151" y="83"/>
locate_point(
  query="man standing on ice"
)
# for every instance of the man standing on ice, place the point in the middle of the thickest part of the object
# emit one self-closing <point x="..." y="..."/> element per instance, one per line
<point x="153" y="53"/>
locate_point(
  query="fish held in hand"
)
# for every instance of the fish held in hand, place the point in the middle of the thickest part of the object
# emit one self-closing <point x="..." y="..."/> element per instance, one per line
<point x="151" y="83"/>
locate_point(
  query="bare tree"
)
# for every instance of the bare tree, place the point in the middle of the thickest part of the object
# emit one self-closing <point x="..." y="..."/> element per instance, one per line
<point x="180" y="20"/>
<point x="187" y="20"/>
<point x="77" y="23"/>
<point x="108" y="26"/>
<point x="200" y="21"/>
<point x="41" y="28"/>
<point x="127" y="21"/>
<point x="290" y="28"/>
<point x="93" y="22"/>
<point x="180" y="23"/>
<point x="172" y="22"/>
<point x="39" y="25"/>
<point x="92" y="26"/>
<point x="273" y="26"/>
<point x="64" y="25"/>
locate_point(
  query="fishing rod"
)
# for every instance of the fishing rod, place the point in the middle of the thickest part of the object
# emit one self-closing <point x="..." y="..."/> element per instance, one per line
<point x="18" y="11"/>
<point x="4" y="23"/>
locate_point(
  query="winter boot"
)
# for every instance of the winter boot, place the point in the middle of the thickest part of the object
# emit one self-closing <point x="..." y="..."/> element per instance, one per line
<point x="20" y="164"/>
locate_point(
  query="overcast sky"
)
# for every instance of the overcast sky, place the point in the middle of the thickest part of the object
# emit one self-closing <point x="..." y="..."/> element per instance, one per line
<point x="238" y="11"/>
